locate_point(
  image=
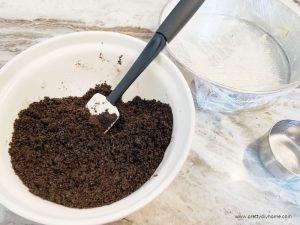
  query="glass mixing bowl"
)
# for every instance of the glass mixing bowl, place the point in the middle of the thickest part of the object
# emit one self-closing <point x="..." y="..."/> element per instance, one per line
<point x="238" y="54"/>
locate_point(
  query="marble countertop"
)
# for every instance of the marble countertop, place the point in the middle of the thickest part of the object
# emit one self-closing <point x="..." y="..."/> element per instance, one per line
<point x="222" y="178"/>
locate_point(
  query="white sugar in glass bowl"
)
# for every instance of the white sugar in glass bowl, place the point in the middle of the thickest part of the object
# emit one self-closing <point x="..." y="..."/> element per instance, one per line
<point x="70" y="65"/>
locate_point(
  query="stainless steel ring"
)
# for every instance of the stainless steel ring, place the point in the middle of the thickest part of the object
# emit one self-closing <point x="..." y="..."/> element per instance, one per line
<point x="279" y="150"/>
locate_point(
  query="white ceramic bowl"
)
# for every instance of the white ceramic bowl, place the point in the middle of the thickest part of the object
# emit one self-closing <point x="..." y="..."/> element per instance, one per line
<point x="70" y="65"/>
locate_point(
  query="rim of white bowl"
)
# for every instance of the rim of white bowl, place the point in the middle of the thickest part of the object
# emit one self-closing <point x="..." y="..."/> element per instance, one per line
<point x="136" y="203"/>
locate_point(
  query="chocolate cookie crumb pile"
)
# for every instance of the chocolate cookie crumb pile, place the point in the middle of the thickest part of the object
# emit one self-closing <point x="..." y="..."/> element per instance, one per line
<point x="61" y="155"/>
<point x="104" y="121"/>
